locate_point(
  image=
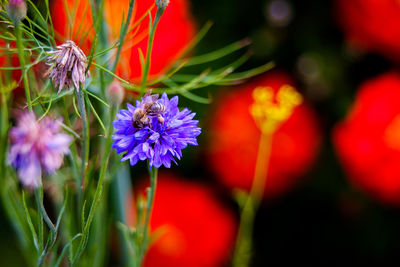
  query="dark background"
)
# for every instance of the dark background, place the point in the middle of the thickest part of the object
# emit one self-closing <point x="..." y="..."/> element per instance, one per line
<point x="325" y="221"/>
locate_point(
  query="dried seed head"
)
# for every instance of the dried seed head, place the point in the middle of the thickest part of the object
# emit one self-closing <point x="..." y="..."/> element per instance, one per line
<point x="68" y="65"/>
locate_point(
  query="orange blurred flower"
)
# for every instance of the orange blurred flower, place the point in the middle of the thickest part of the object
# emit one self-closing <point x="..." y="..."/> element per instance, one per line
<point x="371" y="24"/>
<point x="234" y="140"/>
<point x="368" y="140"/>
<point x="174" y="31"/>
<point x="195" y="229"/>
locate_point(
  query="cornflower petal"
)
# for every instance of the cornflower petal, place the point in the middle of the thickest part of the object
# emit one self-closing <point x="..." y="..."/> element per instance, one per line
<point x="161" y="138"/>
<point x="36" y="147"/>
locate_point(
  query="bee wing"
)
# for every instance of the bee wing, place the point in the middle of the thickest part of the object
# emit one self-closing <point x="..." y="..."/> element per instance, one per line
<point x="154" y="97"/>
<point x="148" y="92"/>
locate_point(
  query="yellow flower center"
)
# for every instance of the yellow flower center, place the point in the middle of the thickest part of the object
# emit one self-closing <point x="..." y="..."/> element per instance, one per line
<point x="270" y="113"/>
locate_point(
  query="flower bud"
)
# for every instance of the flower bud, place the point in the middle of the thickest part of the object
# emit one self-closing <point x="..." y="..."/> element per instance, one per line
<point x="115" y="93"/>
<point x="16" y="9"/>
<point x="162" y="3"/>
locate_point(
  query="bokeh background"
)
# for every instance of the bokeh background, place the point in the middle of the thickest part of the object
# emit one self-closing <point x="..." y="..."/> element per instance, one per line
<point x="339" y="204"/>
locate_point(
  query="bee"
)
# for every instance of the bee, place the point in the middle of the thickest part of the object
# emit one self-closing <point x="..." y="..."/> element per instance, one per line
<point x="139" y="118"/>
<point x="153" y="108"/>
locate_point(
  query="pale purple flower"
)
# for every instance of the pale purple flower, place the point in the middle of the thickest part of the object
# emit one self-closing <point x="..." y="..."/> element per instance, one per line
<point x="159" y="135"/>
<point x="36" y="147"/>
<point x="68" y="66"/>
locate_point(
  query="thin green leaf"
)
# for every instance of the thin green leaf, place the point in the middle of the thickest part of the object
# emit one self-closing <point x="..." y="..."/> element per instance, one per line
<point x="97" y="98"/>
<point x="212" y="56"/>
<point x="30" y="224"/>
<point x="200" y="35"/>
<point x="168" y="75"/>
<point x="109" y="72"/>
<point x="75" y="107"/>
<point x="56" y="98"/>
<point x="44" y="22"/>
<point x="123" y="32"/>
<point x="83" y="218"/>
<point x="250" y="73"/>
<point x="62" y="210"/>
<point x="96" y="115"/>
<point x="182" y="91"/>
<point x="59" y="259"/>
<point x="115" y="45"/>
<point x="68" y="129"/>
<point x="126" y="234"/>
<point x="47" y="110"/>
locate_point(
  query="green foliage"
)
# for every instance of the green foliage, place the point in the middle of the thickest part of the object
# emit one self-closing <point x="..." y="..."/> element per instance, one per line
<point x="86" y="175"/>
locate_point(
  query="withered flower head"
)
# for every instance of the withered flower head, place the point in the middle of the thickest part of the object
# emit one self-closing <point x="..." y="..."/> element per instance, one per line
<point x="68" y="65"/>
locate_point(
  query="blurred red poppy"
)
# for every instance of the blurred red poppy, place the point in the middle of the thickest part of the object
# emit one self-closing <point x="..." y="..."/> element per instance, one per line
<point x="371" y="24"/>
<point x="368" y="140"/>
<point x="8" y="59"/>
<point x="174" y="31"/>
<point x="195" y="228"/>
<point x="2" y="52"/>
<point x="234" y="140"/>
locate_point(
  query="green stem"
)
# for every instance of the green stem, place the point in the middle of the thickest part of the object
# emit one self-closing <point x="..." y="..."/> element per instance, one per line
<point x="122" y="34"/>
<point x="3" y="127"/>
<point x="150" y="199"/>
<point x="39" y="202"/>
<point x="244" y="244"/>
<point x="43" y="216"/>
<point x="98" y="192"/>
<point x="73" y="149"/>
<point x="122" y="188"/>
<point x="21" y="56"/>
<point x="146" y="68"/>
<point x="85" y="136"/>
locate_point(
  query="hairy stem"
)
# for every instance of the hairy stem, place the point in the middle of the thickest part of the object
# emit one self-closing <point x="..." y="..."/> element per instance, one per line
<point x="98" y="192"/>
<point x="85" y="135"/>
<point x="150" y="199"/>
<point x="147" y="63"/>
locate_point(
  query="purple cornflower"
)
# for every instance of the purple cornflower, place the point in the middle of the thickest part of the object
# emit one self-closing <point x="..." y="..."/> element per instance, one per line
<point x="36" y="146"/>
<point x="155" y="130"/>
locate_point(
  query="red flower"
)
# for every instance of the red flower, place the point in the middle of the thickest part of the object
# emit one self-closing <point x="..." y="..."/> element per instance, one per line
<point x="234" y="140"/>
<point x="368" y="141"/>
<point x="11" y="60"/>
<point x="372" y="24"/>
<point x="174" y="31"/>
<point x="2" y="52"/>
<point x="196" y="229"/>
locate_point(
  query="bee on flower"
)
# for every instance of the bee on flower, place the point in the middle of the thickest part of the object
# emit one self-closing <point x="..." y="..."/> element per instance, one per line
<point x="155" y="130"/>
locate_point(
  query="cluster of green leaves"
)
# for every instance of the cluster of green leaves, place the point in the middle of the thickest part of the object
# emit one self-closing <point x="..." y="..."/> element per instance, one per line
<point x="79" y="233"/>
